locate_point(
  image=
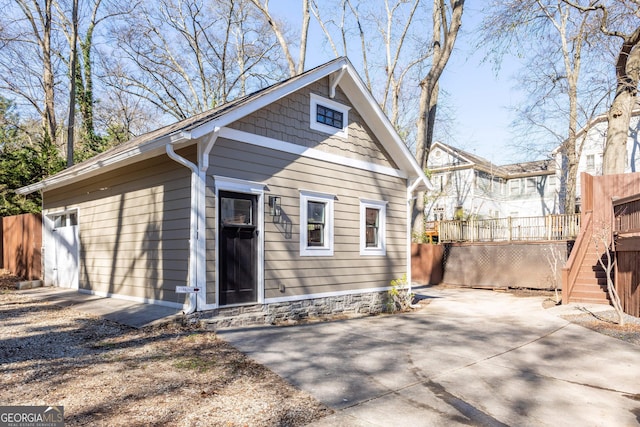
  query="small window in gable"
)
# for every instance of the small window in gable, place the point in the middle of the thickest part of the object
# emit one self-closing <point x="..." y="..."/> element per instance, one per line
<point x="329" y="116"/>
<point x="373" y="215"/>
<point x="316" y="224"/>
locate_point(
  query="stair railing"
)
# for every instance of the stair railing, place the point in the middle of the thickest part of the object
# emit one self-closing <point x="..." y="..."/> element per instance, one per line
<point x="578" y="253"/>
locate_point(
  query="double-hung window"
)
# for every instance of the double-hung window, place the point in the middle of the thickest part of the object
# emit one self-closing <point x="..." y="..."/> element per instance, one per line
<point x="316" y="224"/>
<point x="514" y="187"/>
<point x="373" y="215"/>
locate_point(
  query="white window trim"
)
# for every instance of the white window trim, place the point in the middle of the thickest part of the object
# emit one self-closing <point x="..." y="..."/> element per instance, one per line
<point x="382" y="227"/>
<point x="327" y="249"/>
<point x="315" y="100"/>
<point x="515" y="190"/>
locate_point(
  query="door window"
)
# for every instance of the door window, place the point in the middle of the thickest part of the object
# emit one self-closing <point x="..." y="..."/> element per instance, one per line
<point x="236" y="211"/>
<point x="65" y="220"/>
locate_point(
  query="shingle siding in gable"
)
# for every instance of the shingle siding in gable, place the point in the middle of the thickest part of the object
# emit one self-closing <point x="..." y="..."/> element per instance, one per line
<point x="288" y="120"/>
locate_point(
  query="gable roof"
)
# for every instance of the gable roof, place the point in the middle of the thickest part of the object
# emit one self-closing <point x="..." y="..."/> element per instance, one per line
<point x="467" y="158"/>
<point x="510" y="171"/>
<point x="186" y="132"/>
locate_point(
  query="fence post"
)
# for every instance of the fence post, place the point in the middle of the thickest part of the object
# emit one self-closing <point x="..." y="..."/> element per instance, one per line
<point x="472" y="229"/>
<point x="548" y="224"/>
<point x="509" y="226"/>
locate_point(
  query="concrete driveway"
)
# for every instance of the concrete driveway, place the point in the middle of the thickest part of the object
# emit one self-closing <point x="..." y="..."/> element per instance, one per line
<point x="471" y="357"/>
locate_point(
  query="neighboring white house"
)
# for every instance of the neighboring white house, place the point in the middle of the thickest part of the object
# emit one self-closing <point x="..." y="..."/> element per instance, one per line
<point x="466" y="185"/>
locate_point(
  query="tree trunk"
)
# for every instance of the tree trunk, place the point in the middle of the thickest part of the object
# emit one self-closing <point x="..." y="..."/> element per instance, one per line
<point x="72" y="83"/>
<point x="277" y="31"/>
<point x="619" y="115"/>
<point x="444" y="37"/>
<point x="570" y="148"/>
<point x="48" y="76"/>
<point x="303" y="36"/>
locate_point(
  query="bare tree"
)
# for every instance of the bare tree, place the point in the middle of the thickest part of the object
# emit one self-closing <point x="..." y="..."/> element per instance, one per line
<point x="619" y="20"/>
<point x="555" y="260"/>
<point x="446" y="24"/>
<point x="294" y="69"/>
<point x="394" y="26"/>
<point x="603" y="241"/>
<point x="82" y="27"/>
<point x="553" y="37"/>
<point x="28" y="58"/>
<point x="73" y="56"/>
<point x="123" y="116"/>
<point x="181" y="56"/>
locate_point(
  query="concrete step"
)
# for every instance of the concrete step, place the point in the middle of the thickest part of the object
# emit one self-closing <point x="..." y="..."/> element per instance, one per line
<point x="589" y="299"/>
<point x="28" y="284"/>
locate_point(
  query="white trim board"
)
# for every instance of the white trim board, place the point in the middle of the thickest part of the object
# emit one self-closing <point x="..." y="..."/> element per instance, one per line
<point x="312" y="153"/>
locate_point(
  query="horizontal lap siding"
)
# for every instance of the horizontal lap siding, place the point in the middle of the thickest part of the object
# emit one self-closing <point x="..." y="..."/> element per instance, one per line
<point x="285" y="175"/>
<point x="211" y="226"/>
<point x="134" y="229"/>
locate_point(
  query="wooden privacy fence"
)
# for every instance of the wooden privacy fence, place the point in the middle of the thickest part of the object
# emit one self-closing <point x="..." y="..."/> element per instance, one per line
<point x="22" y="245"/>
<point x="535" y="228"/>
<point x="626" y="225"/>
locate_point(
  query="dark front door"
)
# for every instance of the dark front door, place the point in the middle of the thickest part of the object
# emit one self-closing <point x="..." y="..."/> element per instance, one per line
<point x="238" y="247"/>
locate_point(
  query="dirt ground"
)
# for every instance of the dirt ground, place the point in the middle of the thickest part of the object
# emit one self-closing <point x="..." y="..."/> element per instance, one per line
<point x="105" y="374"/>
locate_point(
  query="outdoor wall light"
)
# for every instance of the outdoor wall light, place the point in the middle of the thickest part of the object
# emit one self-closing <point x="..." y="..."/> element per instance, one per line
<point x="274" y="203"/>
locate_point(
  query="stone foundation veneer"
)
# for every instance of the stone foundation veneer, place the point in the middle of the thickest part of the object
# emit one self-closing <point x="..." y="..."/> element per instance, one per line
<point x="292" y="311"/>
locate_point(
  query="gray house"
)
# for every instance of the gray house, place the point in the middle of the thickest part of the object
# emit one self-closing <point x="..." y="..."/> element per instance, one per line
<point x="298" y="192"/>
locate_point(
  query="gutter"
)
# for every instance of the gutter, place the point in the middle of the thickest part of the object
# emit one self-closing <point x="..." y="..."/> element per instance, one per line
<point x="197" y="238"/>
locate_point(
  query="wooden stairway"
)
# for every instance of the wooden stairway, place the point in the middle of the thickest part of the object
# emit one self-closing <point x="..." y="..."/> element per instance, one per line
<point x="583" y="278"/>
<point x="591" y="283"/>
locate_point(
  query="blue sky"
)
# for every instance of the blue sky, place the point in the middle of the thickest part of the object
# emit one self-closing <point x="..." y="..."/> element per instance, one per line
<point x="477" y="99"/>
<point x="481" y="100"/>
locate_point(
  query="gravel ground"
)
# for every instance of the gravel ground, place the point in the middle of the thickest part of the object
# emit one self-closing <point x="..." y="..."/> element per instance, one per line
<point x="105" y="374"/>
<point x="606" y="322"/>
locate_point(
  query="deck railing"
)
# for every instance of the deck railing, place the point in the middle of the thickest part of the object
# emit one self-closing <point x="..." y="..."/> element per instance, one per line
<point x="627" y="214"/>
<point x="549" y="227"/>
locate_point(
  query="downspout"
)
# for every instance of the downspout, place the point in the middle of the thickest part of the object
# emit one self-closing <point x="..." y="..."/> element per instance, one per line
<point x="197" y="240"/>
<point x="193" y="225"/>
